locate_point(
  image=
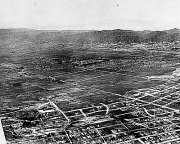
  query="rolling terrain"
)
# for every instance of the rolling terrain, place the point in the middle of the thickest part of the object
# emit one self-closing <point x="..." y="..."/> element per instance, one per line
<point x="103" y="87"/>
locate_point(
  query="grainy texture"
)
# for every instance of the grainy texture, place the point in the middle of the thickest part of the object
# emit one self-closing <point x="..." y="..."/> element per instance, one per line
<point x="103" y="87"/>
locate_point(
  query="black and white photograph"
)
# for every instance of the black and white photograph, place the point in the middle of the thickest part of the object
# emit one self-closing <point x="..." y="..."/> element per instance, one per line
<point x="89" y="71"/>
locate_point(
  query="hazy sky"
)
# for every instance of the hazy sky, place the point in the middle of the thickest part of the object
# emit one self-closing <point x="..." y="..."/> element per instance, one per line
<point x="90" y="14"/>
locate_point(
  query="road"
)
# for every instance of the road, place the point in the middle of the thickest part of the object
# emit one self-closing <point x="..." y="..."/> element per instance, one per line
<point x="3" y="140"/>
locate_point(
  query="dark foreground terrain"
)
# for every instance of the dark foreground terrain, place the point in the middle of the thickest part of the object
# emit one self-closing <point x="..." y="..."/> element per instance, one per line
<point x="93" y="87"/>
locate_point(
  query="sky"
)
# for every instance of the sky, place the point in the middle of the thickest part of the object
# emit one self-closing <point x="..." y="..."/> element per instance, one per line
<point x="90" y="14"/>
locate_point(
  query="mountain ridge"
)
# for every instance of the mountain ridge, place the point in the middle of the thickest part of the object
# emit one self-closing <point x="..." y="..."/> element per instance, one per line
<point x="35" y="40"/>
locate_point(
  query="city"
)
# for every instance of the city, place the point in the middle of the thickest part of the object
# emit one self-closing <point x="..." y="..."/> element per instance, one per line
<point x="73" y="112"/>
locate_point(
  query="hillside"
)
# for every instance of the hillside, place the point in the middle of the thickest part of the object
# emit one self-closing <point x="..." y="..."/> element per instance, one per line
<point x="27" y="40"/>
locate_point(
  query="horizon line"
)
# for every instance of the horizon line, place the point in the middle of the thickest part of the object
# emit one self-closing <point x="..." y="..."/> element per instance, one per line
<point x="47" y="29"/>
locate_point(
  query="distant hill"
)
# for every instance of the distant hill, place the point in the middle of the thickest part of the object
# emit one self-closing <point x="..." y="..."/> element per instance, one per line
<point x="22" y="40"/>
<point x="128" y="36"/>
<point x="172" y="31"/>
